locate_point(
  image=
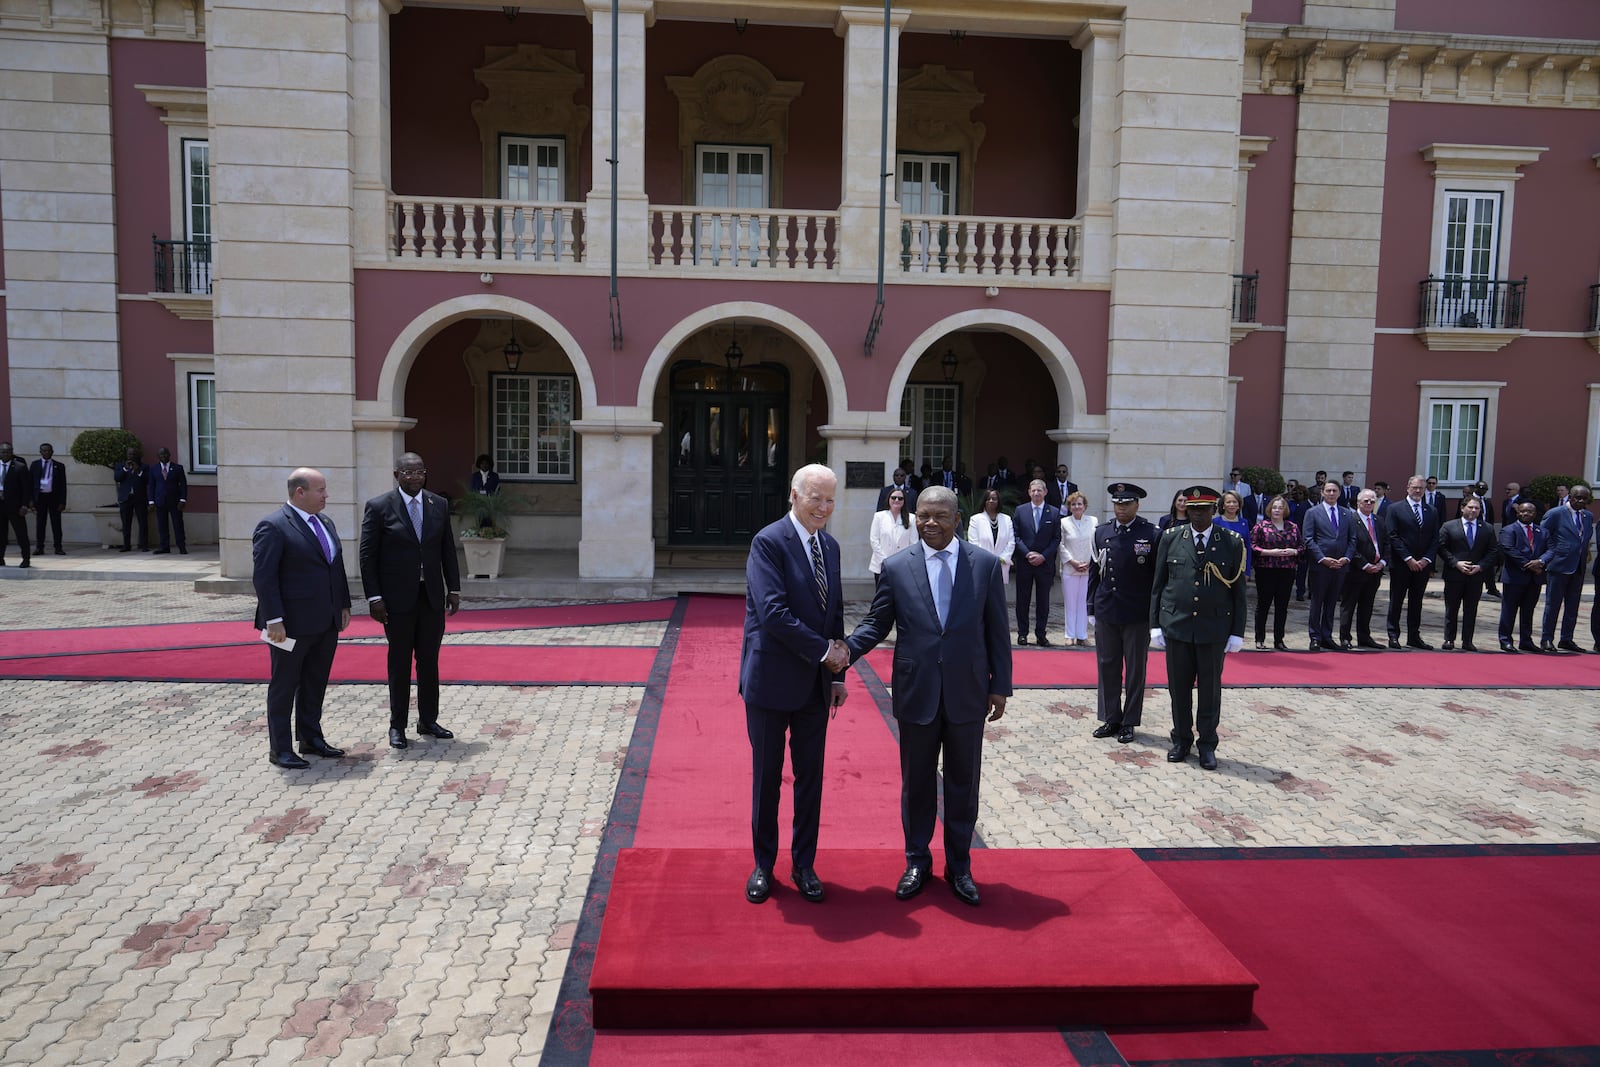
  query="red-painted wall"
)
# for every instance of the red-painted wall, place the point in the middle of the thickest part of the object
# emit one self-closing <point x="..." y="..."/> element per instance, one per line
<point x="1571" y="19"/>
<point x="1287" y="11"/>
<point x="439" y="391"/>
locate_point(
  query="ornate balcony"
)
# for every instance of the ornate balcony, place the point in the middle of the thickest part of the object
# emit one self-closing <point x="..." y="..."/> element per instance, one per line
<point x="183" y="277"/>
<point x="1244" y="305"/>
<point x="1470" y="314"/>
<point x="1594" y="317"/>
<point x="963" y="246"/>
<point x="708" y="239"/>
<point x="533" y="234"/>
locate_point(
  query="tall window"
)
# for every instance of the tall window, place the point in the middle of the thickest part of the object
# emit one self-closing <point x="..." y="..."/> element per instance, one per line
<point x="196" y="264"/>
<point x="731" y="176"/>
<point x="1471" y="248"/>
<point x="927" y="184"/>
<point x="202" y="423"/>
<point x="932" y="412"/>
<point x="531" y="426"/>
<point x="1455" y="440"/>
<point x="531" y="168"/>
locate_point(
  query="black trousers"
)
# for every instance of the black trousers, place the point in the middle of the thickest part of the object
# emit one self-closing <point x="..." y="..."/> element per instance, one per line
<point x="1406" y="587"/>
<point x="1121" y="651"/>
<point x="298" y="681"/>
<point x="1517" y="604"/>
<point x="1326" y="584"/>
<point x="135" y="511"/>
<point x="164" y="513"/>
<point x="13" y="522"/>
<point x="1457" y="595"/>
<point x="52" y="513"/>
<point x="1031" y="579"/>
<point x="1273" y="585"/>
<point x="1192" y="666"/>
<point x="1562" y="591"/>
<point x="806" y="731"/>
<point x="414" y="635"/>
<point x="1356" y="602"/>
<point x="920" y="748"/>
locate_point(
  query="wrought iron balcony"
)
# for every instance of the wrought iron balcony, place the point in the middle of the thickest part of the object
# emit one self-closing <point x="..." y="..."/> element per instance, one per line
<point x="1594" y="309"/>
<point x="182" y="266"/>
<point x="1244" y="296"/>
<point x="1471" y="303"/>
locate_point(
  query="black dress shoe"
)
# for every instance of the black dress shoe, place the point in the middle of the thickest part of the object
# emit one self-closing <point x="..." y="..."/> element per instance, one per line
<point x="28" y="563"/>
<point x="1022" y="639"/>
<point x="965" y="889"/>
<point x="910" y="883"/>
<point x="1042" y="641"/>
<point x="1565" y="646"/>
<point x="1394" y="644"/>
<point x="1417" y="642"/>
<point x="1178" y="752"/>
<point x="1125" y="736"/>
<point x="61" y="552"/>
<point x="1347" y="646"/>
<point x="162" y="552"/>
<point x="1507" y="646"/>
<point x="1547" y="646"/>
<point x="1280" y="646"/>
<point x="435" y="730"/>
<point x="1261" y="646"/>
<point x="1449" y="646"/>
<point x="1527" y="646"/>
<point x="397" y="738"/>
<point x="758" y="886"/>
<point x="182" y="551"/>
<point x="124" y="548"/>
<point x="288" y="761"/>
<point x="1106" y="729"/>
<point x="1367" y="642"/>
<point x="1316" y="646"/>
<point x="1468" y="646"/>
<point x="1492" y="594"/>
<point x="321" y="748"/>
<point x="1208" y="759"/>
<point x="810" y="886"/>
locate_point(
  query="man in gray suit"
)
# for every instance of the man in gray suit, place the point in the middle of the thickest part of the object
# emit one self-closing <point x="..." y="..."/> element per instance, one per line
<point x="946" y="602"/>
<point x="1329" y="532"/>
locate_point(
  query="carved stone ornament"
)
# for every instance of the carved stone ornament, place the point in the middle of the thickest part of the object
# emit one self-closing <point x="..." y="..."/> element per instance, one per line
<point x="531" y="90"/>
<point x="935" y="117"/>
<point x="734" y="100"/>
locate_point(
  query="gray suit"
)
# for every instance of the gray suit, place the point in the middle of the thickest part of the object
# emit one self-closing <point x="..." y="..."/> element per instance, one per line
<point x="1327" y="537"/>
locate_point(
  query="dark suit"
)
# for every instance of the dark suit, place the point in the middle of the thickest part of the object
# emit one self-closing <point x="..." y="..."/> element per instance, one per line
<point x="1348" y="494"/>
<point x="784" y="683"/>
<point x="16" y="493"/>
<point x="1120" y="575"/>
<point x="1519" y="546"/>
<point x="1054" y="496"/>
<point x="414" y="578"/>
<point x="1567" y="534"/>
<point x="1361" y="586"/>
<point x="1043" y="539"/>
<point x="911" y="497"/>
<point x="482" y="482"/>
<point x="1255" y="508"/>
<point x="1465" y="589"/>
<point x="1326" y="537"/>
<point x="295" y="582"/>
<point x="48" y="505"/>
<point x="943" y="677"/>
<point x="1197" y="604"/>
<point x="1419" y="541"/>
<point x="133" y="500"/>
<point x="168" y="490"/>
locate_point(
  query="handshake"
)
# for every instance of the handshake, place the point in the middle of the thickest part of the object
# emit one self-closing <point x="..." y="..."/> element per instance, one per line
<point x="838" y="657"/>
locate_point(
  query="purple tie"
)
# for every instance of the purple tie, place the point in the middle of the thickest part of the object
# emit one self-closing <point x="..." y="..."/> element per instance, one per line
<point x="322" y="537"/>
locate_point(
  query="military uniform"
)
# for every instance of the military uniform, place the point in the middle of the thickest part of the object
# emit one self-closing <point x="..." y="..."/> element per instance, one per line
<point x="1120" y="575"/>
<point x="1197" y="604"/>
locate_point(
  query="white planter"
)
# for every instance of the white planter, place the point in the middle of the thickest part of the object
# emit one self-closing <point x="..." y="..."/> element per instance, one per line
<point x="485" y="555"/>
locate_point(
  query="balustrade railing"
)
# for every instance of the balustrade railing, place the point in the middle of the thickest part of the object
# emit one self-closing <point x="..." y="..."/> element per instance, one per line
<point x="729" y="238"/>
<point x="486" y="230"/>
<point x="1000" y="247"/>
<point x="182" y="266"/>
<point x="1244" y="296"/>
<point x="1471" y="303"/>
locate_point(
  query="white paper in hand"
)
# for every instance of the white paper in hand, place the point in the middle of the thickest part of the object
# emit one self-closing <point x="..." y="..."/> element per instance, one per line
<point x="287" y="644"/>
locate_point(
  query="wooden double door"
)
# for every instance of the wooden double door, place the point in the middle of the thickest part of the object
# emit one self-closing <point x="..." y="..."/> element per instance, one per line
<point x="729" y="452"/>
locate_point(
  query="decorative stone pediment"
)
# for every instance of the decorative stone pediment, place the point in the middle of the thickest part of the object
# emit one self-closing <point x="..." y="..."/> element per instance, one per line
<point x="531" y="91"/>
<point x="734" y="100"/>
<point x="935" y="116"/>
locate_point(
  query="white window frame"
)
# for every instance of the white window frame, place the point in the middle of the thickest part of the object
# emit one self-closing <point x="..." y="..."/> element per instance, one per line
<point x="186" y="366"/>
<point x="928" y="160"/>
<point x="549" y="453"/>
<point x="925" y="439"/>
<point x="192" y="151"/>
<point x="198" y="380"/>
<point x="1591" y="447"/>
<point x="1476" y="169"/>
<point x="733" y="151"/>
<point x="1486" y="394"/>
<point x="534" y="146"/>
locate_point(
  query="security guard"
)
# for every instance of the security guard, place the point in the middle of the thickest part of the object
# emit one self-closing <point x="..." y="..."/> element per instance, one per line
<point x="1120" y="573"/>
<point x="1197" y="613"/>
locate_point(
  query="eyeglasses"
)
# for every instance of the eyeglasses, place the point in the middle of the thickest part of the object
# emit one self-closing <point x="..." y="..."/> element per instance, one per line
<point x="413" y="470"/>
<point x="897" y="496"/>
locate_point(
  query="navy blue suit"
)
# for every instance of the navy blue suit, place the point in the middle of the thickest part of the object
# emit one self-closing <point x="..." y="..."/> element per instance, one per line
<point x="784" y="683"/>
<point x="1326" y="538"/>
<point x="1568" y="533"/>
<point x="169" y="490"/>
<point x="133" y="500"/>
<point x="1519" y="587"/>
<point x="295" y="582"/>
<point x="1419" y="541"/>
<point x="48" y="506"/>
<point x="1121" y="572"/>
<point x="1361" y="586"/>
<point x="1464" y="590"/>
<point x="16" y="493"/>
<point x="943" y="677"/>
<point x="1043" y="539"/>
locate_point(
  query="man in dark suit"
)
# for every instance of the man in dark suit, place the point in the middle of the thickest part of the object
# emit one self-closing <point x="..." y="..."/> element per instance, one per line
<point x="1522" y="542"/>
<point x="16" y="493"/>
<point x="169" y="495"/>
<point x="1120" y="574"/>
<point x="1197" y="610"/>
<point x="1329" y="536"/>
<point x="133" y="499"/>
<point x="1413" y="540"/>
<point x="1367" y="564"/>
<point x="1038" y="527"/>
<point x="412" y="581"/>
<point x="1003" y="473"/>
<point x="1349" y="492"/>
<point x="49" y="476"/>
<point x="1059" y="488"/>
<point x="1433" y="498"/>
<point x="1468" y="552"/>
<point x="946" y="602"/>
<point x="1568" y="529"/>
<point x="791" y="673"/>
<point x="899" y="481"/>
<point x="301" y="593"/>
<point x="1382" y="510"/>
<point x="1255" y="507"/>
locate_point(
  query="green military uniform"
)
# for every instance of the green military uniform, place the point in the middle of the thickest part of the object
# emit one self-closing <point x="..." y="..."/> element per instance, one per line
<point x="1197" y="603"/>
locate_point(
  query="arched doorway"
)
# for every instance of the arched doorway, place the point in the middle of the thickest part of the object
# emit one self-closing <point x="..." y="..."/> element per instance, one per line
<point x="728" y="449"/>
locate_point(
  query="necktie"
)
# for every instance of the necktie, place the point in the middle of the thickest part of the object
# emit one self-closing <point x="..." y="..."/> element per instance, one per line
<point x="1418" y="509"/>
<point x="1471" y="531"/>
<point x="1371" y="532"/>
<point x="1200" y="543"/>
<point x="947" y="584"/>
<point x="1529" y="531"/>
<point x="416" y="515"/>
<point x="1333" y="516"/>
<point x="1036" y="519"/>
<point x="322" y="538"/>
<point x="818" y="574"/>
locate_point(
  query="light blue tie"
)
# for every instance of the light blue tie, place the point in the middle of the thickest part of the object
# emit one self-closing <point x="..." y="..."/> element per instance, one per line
<point x="947" y="585"/>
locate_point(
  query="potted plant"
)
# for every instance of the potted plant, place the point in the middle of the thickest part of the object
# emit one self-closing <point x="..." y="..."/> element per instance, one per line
<point x="485" y="518"/>
<point x="105" y="447"/>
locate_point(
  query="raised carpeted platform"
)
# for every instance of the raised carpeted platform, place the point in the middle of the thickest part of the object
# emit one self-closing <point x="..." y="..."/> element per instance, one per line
<point x="1062" y="938"/>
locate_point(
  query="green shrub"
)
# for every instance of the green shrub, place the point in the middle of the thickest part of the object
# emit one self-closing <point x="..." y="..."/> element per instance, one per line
<point x="1263" y="480"/>
<point x="103" y="447"/>
<point x="1543" y="488"/>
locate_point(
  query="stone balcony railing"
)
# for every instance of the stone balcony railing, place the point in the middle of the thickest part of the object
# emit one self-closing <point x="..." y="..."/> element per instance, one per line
<point x="701" y="238"/>
<point x="967" y="246"/>
<point x="486" y="231"/>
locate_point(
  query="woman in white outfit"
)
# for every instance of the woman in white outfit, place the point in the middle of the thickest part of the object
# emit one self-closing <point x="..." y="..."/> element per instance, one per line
<point x="1077" y="547"/>
<point x="891" y="531"/>
<point x="991" y="530"/>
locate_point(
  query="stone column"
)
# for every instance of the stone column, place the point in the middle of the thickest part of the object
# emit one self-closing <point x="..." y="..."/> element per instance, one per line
<point x="57" y="202"/>
<point x="862" y="437"/>
<point x="633" y="208"/>
<point x="864" y="42"/>
<point x="283" y="166"/>
<point x="369" y="123"/>
<point x="616" y="449"/>
<point x="1098" y="41"/>
<point x="1177" y="150"/>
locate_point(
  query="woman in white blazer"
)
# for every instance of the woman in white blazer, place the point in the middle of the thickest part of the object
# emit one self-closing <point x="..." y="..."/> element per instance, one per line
<point x="1077" y="548"/>
<point x="891" y="531"/>
<point x="991" y="530"/>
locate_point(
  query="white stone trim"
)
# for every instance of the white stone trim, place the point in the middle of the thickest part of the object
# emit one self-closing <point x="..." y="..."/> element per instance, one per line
<point x="1250" y="146"/>
<point x="1431" y="389"/>
<point x="183" y="365"/>
<point x="183" y="112"/>
<point x="1478" y="169"/>
<point x="1591" y="440"/>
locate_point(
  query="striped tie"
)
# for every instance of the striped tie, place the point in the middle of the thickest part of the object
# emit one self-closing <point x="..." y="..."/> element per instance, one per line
<point x="819" y="575"/>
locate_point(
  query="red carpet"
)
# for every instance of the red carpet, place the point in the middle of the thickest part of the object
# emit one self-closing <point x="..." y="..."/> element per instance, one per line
<point x="1063" y="937"/>
<point x="1044" y="668"/>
